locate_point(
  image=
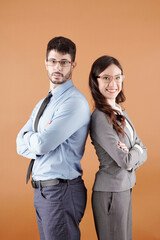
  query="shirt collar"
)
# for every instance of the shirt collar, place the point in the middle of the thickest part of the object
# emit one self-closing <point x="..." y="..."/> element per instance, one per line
<point x="62" y="88"/>
<point x="117" y="107"/>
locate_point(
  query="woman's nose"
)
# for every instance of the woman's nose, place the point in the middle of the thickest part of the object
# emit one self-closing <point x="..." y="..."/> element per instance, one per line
<point x="112" y="82"/>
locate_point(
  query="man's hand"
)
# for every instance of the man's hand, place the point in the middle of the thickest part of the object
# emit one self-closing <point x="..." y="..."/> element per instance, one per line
<point x="48" y="124"/>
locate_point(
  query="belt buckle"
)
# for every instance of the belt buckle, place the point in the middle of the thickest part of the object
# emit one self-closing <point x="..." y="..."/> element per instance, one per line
<point x="62" y="180"/>
<point x="34" y="185"/>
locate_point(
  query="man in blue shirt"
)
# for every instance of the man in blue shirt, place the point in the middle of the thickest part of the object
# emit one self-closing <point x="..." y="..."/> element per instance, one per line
<point x="57" y="146"/>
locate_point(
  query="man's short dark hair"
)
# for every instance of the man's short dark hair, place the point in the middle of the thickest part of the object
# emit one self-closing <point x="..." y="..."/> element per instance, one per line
<point x="62" y="45"/>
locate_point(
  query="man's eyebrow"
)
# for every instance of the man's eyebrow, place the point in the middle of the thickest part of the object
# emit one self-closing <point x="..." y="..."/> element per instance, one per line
<point x="59" y="60"/>
<point x="65" y="59"/>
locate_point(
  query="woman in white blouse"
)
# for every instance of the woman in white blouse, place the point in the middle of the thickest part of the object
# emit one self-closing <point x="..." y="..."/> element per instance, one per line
<point x="119" y="150"/>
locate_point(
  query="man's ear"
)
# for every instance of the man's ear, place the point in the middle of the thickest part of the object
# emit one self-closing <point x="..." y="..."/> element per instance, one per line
<point x="74" y="64"/>
<point x="46" y="64"/>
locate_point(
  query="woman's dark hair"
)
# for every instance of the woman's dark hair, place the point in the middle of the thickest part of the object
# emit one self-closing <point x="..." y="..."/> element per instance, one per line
<point x="62" y="45"/>
<point x="101" y="104"/>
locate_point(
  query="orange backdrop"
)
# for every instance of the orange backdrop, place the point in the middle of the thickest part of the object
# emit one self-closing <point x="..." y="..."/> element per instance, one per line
<point x="127" y="30"/>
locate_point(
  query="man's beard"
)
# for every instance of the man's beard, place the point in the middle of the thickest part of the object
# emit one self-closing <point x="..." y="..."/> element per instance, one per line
<point x="63" y="80"/>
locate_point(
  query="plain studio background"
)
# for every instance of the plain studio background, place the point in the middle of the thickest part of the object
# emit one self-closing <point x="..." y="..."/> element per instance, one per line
<point x="126" y="29"/>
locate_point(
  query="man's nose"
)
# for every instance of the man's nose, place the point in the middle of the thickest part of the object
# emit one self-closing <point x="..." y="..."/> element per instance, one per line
<point x="58" y="66"/>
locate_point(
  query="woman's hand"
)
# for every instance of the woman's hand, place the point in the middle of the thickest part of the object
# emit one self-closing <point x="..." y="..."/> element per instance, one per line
<point x="123" y="146"/>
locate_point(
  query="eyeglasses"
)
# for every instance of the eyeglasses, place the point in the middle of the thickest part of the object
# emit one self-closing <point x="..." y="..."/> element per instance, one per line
<point x="107" y="78"/>
<point x="63" y="63"/>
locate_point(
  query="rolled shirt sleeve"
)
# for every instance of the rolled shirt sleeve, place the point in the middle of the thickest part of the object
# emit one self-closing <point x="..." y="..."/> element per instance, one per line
<point x="70" y="117"/>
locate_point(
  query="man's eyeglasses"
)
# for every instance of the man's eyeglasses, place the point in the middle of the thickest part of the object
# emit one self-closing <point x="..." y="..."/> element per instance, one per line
<point x="63" y="63"/>
<point x="107" y="78"/>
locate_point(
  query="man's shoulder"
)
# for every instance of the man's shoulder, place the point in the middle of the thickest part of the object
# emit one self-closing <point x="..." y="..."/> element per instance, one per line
<point x="76" y="95"/>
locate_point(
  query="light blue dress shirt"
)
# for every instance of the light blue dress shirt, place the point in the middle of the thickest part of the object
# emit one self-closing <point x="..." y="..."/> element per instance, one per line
<point x="61" y="144"/>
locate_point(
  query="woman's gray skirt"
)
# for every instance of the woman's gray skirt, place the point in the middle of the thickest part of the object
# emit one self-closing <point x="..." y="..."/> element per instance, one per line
<point x="113" y="215"/>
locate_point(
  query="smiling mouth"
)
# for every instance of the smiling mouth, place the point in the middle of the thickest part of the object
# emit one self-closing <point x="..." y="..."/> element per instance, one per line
<point x="111" y="90"/>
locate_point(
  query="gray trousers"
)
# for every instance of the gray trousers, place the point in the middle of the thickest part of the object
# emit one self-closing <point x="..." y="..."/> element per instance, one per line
<point x="113" y="215"/>
<point x="59" y="209"/>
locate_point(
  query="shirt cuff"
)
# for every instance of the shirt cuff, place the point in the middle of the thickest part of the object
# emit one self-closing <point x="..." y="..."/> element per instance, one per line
<point x="26" y="137"/>
<point x="139" y="147"/>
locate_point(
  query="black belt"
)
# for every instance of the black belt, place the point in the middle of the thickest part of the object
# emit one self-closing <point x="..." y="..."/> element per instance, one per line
<point x="47" y="183"/>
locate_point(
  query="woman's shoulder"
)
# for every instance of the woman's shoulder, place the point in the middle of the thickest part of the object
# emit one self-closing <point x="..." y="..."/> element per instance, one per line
<point x="98" y="116"/>
<point x="125" y="114"/>
<point x="97" y="113"/>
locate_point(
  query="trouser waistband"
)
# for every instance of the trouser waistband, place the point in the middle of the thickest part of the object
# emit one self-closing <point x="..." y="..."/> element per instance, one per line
<point x="47" y="183"/>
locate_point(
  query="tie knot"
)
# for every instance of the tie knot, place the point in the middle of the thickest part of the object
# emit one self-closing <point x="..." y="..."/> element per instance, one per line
<point x="49" y="95"/>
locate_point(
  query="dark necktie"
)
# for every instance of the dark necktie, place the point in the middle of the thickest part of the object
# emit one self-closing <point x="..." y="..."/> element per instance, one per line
<point x="39" y="114"/>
